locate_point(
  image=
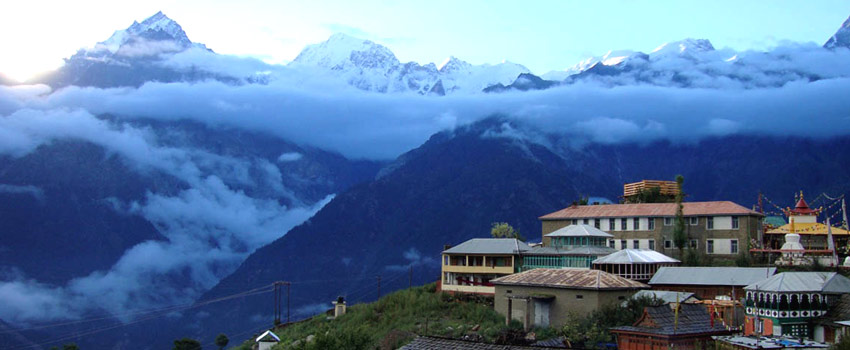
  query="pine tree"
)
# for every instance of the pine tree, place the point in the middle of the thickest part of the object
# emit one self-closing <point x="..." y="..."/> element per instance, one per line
<point x="221" y="340"/>
<point x="680" y="238"/>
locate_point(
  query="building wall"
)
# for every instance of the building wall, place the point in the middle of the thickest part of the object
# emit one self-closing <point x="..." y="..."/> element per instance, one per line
<point x="748" y="226"/>
<point x="474" y="267"/>
<point x="566" y="301"/>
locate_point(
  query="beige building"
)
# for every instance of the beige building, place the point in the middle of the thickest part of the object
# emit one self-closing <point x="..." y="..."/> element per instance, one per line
<point x="717" y="228"/>
<point x="469" y="266"/>
<point x="546" y="297"/>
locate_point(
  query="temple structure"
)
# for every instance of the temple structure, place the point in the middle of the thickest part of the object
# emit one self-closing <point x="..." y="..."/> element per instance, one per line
<point x="803" y="221"/>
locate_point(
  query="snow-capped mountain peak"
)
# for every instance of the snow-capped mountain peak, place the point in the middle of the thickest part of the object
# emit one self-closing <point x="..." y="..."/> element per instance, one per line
<point x="454" y="64"/>
<point x="342" y="51"/>
<point x="841" y="38"/>
<point x="684" y="48"/>
<point x="158" y="28"/>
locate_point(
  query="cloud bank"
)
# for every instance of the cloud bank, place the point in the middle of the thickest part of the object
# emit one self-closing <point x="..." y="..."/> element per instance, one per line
<point x="216" y="220"/>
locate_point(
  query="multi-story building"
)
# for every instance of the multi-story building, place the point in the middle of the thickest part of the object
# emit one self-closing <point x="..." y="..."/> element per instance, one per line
<point x="574" y="246"/>
<point x="788" y="303"/>
<point x="717" y="228"/>
<point x="469" y="266"/>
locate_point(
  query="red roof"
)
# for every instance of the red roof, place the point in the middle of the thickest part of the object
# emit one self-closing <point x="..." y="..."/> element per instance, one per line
<point x="802" y="208"/>
<point x="649" y="210"/>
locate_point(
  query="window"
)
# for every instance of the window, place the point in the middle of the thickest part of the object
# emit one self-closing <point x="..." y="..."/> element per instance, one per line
<point x="636" y="222"/>
<point x="597" y="223"/>
<point x="621" y="298"/>
<point x="636" y="244"/>
<point x="622" y="244"/>
<point x="652" y="244"/>
<point x="611" y="244"/>
<point x="623" y="224"/>
<point x="579" y="296"/>
<point x="575" y="221"/>
<point x="709" y="246"/>
<point x="694" y="220"/>
<point x="734" y="247"/>
<point x="585" y="221"/>
<point x="709" y="223"/>
<point x="611" y="224"/>
<point x="734" y="222"/>
<point x="651" y="224"/>
<point x="668" y="221"/>
<point x="668" y="244"/>
<point x="693" y="244"/>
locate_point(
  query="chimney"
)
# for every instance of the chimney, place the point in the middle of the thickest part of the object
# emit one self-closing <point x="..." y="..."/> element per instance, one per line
<point x="339" y="306"/>
<point x="447" y="247"/>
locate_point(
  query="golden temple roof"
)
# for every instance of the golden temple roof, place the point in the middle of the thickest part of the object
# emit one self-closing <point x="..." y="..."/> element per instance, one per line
<point x="808" y="229"/>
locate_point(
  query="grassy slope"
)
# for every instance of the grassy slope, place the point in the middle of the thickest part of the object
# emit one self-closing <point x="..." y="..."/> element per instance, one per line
<point x="395" y="319"/>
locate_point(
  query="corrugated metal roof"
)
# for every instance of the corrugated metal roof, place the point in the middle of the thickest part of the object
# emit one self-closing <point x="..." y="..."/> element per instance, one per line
<point x="824" y="282"/>
<point x="720" y="276"/>
<point x="569" y="279"/>
<point x="587" y="251"/>
<point x="649" y="210"/>
<point x="635" y="256"/>
<point x="691" y="319"/>
<point x="489" y="246"/>
<point x="665" y="296"/>
<point x="435" y="343"/>
<point x="579" y="231"/>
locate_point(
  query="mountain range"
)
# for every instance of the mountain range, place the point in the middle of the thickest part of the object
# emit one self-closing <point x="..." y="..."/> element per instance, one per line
<point x="157" y="49"/>
<point x="126" y="212"/>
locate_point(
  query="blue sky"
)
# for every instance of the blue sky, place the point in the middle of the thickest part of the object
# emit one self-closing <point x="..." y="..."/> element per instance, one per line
<point x="543" y="35"/>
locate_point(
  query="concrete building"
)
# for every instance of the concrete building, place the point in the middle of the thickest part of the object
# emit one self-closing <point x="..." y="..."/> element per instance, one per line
<point x="470" y="266"/>
<point x="266" y="341"/>
<point x="790" y="302"/>
<point x="710" y="282"/>
<point x="634" y="264"/>
<point x="718" y="228"/>
<point x="681" y="327"/>
<point x="545" y="297"/>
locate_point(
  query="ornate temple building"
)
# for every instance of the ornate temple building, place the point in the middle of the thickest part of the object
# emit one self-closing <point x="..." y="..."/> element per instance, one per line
<point x="803" y="221"/>
<point x="789" y="303"/>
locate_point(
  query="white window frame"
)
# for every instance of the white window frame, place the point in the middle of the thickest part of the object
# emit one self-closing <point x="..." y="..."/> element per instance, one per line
<point x="668" y="221"/>
<point x="636" y="244"/>
<point x="668" y="244"/>
<point x="623" y="244"/>
<point x="636" y="224"/>
<point x="652" y="244"/>
<point x="585" y="221"/>
<point x="612" y="243"/>
<point x="735" y="223"/>
<point x="709" y="246"/>
<point x="693" y="220"/>
<point x="624" y="224"/>
<point x="651" y="224"/>
<point x="597" y="223"/>
<point x="709" y="222"/>
<point x="611" y="224"/>
<point x="733" y="246"/>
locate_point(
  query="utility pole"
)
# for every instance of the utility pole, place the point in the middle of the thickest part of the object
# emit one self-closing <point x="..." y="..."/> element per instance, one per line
<point x="379" y="285"/>
<point x="277" y="301"/>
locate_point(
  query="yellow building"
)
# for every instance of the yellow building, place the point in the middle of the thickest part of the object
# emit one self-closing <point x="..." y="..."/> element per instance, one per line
<point x="803" y="221"/>
<point x="470" y="266"/>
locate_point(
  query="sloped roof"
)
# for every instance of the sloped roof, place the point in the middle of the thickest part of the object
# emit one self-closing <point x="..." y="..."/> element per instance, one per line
<point x="635" y="256"/>
<point x="267" y="337"/>
<point x="569" y="279"/>
<point x="807" y="228"/>
<point x="579" y="231"/>
<point x="664" y="296"/>
<point x="662" y="320"/>
<point x="489" y="246"/>
<point x="709" y="276"/>
<point x="649" y="210"/>
<point x="824" y="282"/>
<point x="578" y="251"/>
<point x="435" y="343"/>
